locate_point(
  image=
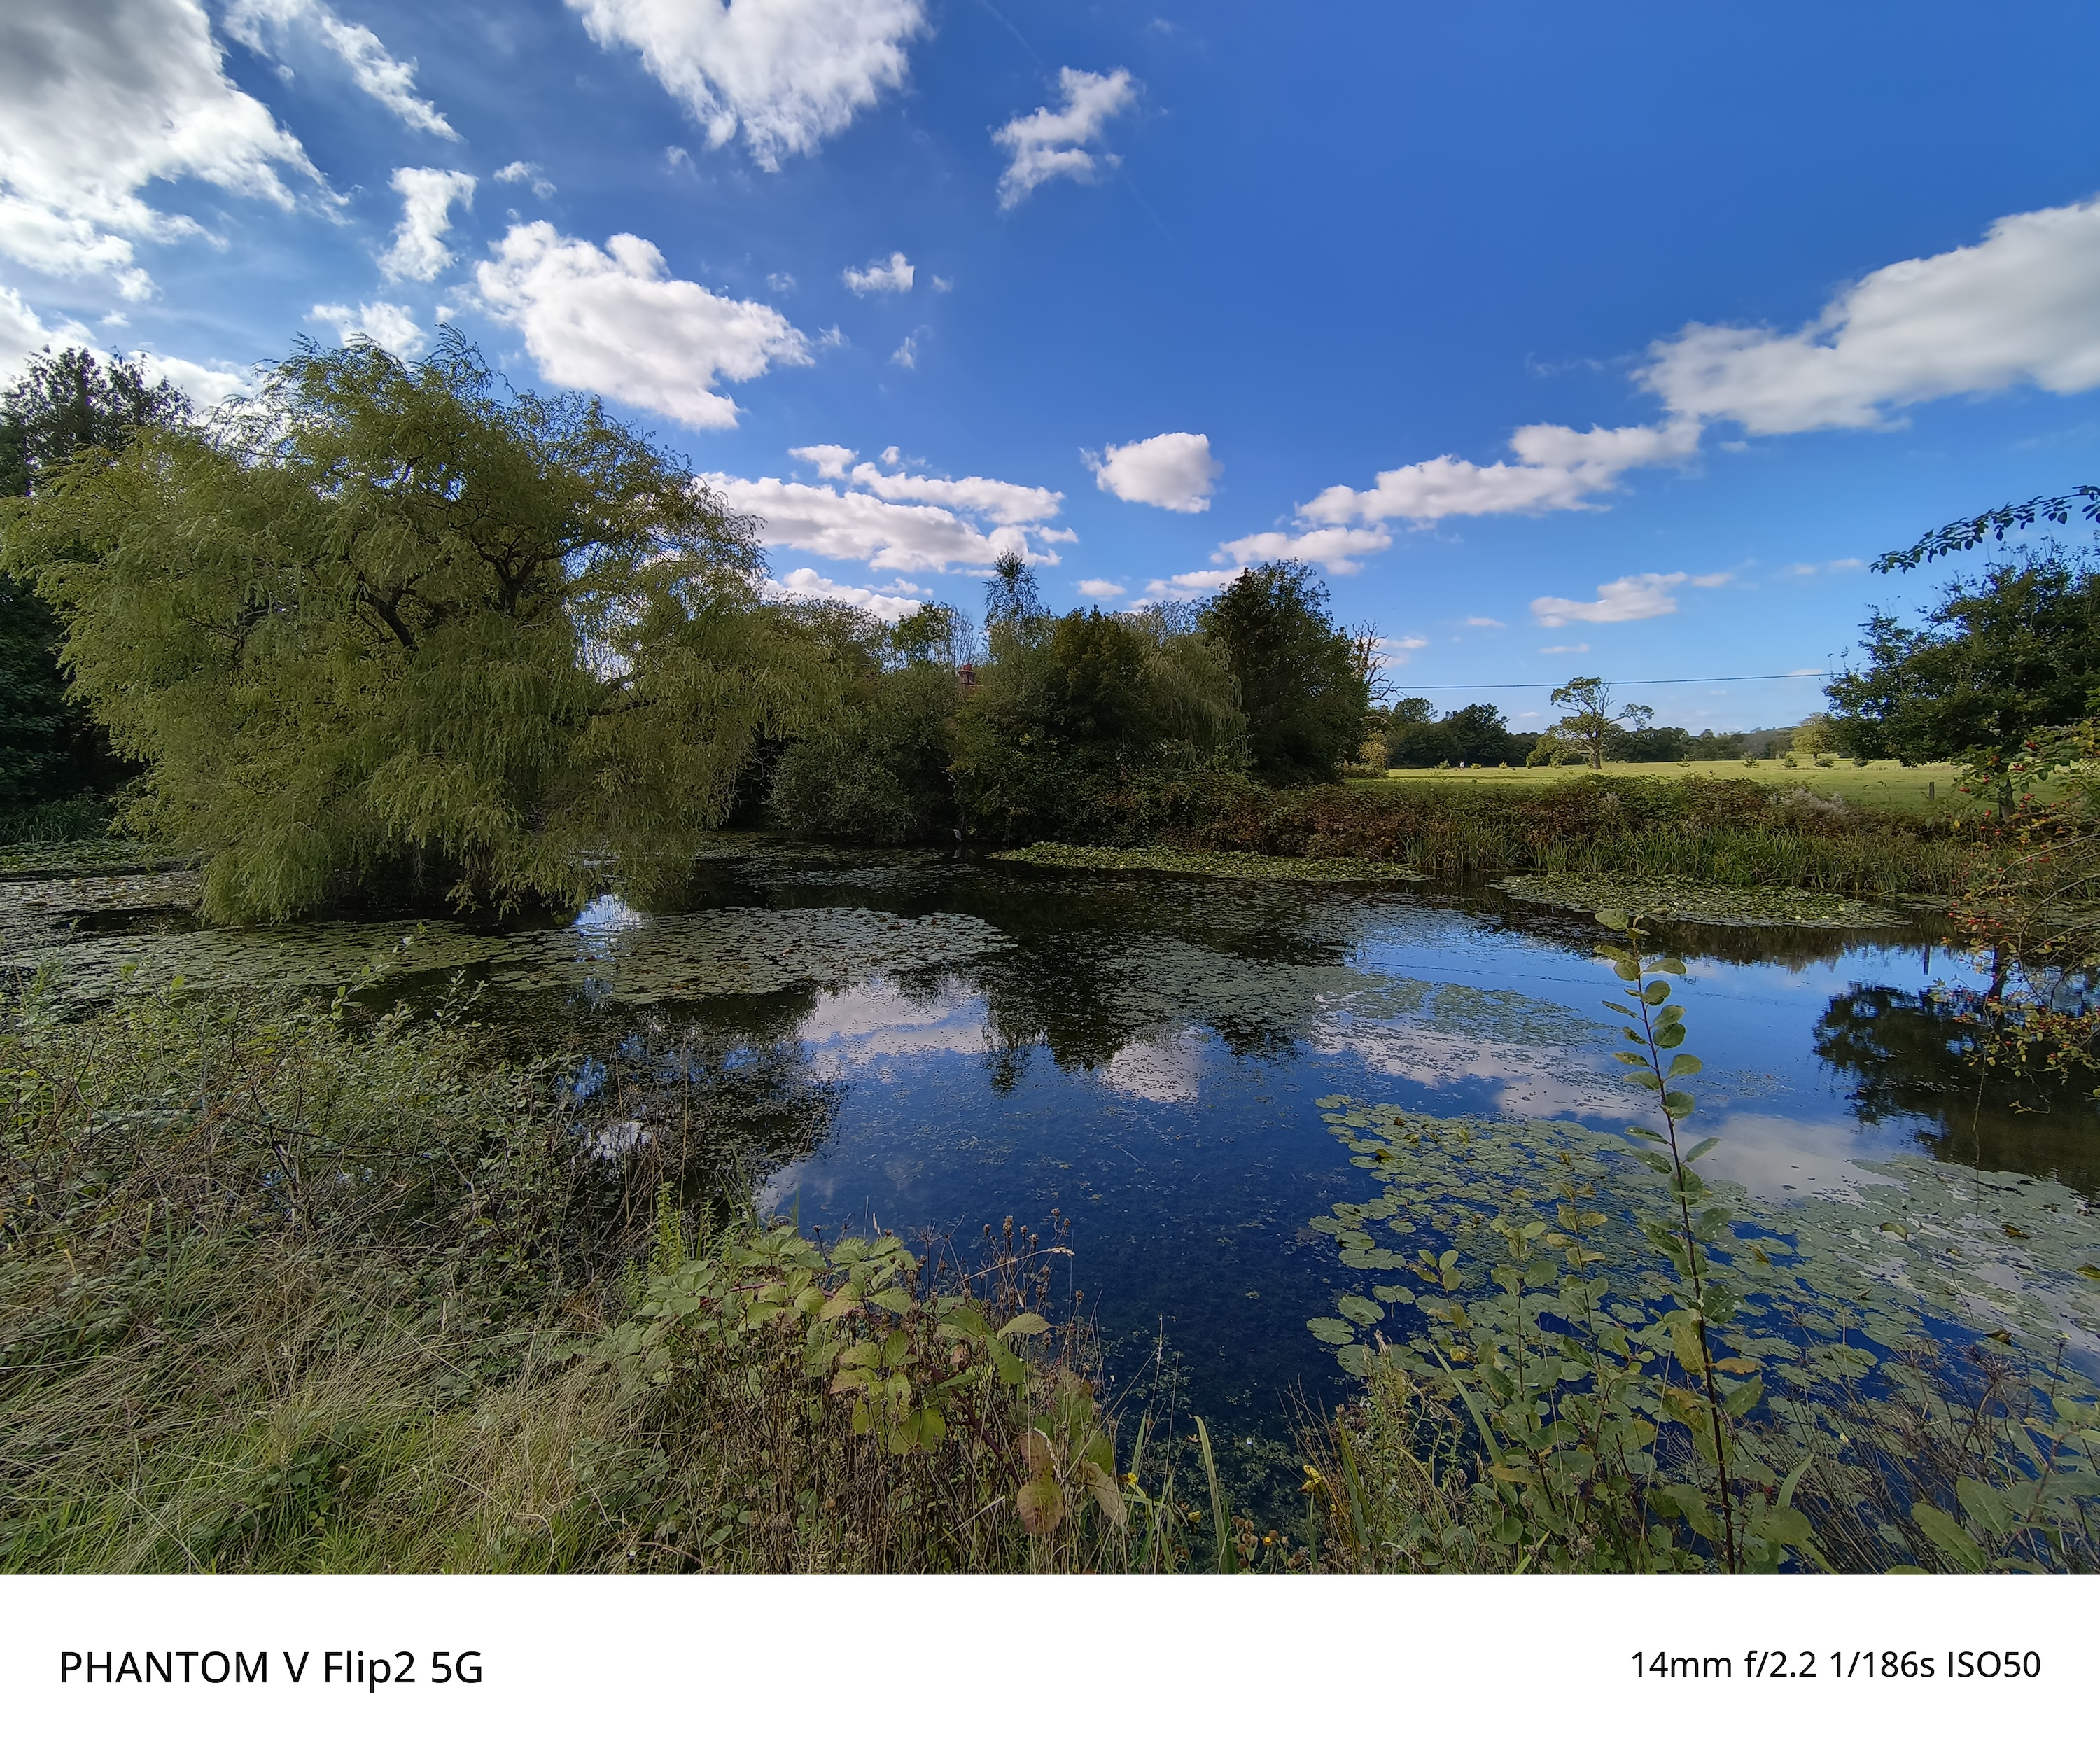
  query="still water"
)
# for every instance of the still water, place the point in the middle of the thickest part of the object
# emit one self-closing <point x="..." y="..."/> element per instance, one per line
<point x="933" y="1044"/>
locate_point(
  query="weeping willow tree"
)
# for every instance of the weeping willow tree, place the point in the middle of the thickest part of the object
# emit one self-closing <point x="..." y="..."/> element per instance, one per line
<point x="385" y="621"/>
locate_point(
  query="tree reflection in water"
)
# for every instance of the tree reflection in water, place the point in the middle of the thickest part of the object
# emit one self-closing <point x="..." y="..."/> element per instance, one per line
<point x="1910" y="1055"/>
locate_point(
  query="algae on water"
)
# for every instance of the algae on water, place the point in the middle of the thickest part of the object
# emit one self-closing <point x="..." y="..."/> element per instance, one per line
<point x="1693" y="902"/>
<point x="1212" y="864"/>
<point x="613" y="956"/>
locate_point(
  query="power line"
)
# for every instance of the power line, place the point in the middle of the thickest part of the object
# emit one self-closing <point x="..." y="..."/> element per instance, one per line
<point x="1728" y="678"/>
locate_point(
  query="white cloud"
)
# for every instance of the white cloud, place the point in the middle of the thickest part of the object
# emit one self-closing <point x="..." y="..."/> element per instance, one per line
<point x="1627" y="600"/>
<point x="893" y="523"/>
<point x="1558" y="469"/>
<point x="419" y="251"/>
<point x="393" y="328"/>
<point x="1336" y="546"/>
<point x="203" y="385"/>
<point x="907" y="353"/>
<point x="1101" y="589"/>
<point x="894" y="276"/>
<point x="612" y="321"/>
<point x="97" y="101"/>
<point x="1170" y="470"/>
<point x="781" y="282"/>
<point x="524" y="171"/>
<point x="1563" y="647"/>
<point x="807" y="584"/>
<point x="1047" y="143"/>
<point x="1844" y="565"/>
<point x="1400" y="650"/>
<point x="23" y="332"/>
<point x="1485" y="623"/>
<point x="376" y="74"/>
<point x="1010" y="504"/>
<point x="2023" y="306"/>
<point x="789" y="74"/>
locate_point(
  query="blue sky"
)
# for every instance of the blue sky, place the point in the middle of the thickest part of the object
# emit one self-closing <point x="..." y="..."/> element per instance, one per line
<point x="1611" y="340"/>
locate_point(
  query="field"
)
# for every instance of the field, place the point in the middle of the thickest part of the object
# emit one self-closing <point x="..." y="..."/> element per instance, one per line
<point x="1886" y="783"/>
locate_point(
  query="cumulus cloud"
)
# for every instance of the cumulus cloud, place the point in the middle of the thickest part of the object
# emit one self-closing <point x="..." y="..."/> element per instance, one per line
<point x="419" y="251"/>
<point x="524" y="171"/>
<point x="1171" y="470"/>
<point x="787" y="73"/>
<point x="23" y="332"/>
<point x="807" y="584"/>
<point x="1627" y="600"/>
<point x="907" y="352"/>
<point x="613" y="322"/>
<point x="1336" y="546"/>
<point x="1101" y="589"/>
<point x="1485" y="623"/>
<point x="1009" y="503"/>
<point x="393" y="328"/>
<point x="374" y="71"/>
<point x="894" y="276"/>
<point x="895" y="521"/>
<point x="1563" y="647"/>
<point x="1049" y="143"/>
<point x="99" y="99"/>
<point x="2021" y="307"/>
<point x="1557" y="468"/>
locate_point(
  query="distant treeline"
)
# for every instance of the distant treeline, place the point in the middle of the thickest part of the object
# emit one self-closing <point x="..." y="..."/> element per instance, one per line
<point x="1416" y="738"/>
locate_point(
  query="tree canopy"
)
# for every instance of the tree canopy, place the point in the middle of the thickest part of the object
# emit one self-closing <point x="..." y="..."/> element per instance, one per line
<point x="1593" y="717"/>
<point x="1302" y="683"/>
<point x="383" y="618"/>
<point x="1996" y="659"/>
<point x="61" y="406"/>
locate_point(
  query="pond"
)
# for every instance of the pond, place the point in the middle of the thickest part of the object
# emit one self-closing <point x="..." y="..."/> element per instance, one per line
<point x="934" y="1043"/>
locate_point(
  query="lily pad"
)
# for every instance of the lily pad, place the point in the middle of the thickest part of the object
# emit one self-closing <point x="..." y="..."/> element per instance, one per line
<point x="1693" y="901"/>
<point x="1212" y="864"/>
<point x="1330" y="1331"/>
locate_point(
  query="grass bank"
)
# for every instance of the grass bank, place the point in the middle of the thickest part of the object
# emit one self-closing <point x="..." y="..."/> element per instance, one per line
<point x="1716" y="830"/>
<point x="284" y="1291"/>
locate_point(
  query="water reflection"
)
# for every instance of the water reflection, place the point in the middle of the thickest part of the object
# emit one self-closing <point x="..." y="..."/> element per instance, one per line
<point x="1908" y="1058"/>
<point x="936" y="1043"/>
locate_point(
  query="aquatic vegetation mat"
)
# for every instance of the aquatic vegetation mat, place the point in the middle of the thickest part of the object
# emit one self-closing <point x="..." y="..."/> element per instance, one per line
<point x="1214" y="865"/>
<point x="1690" y="901"/>
<point x="620" y="958"/>
<point x="1832" y="1287"/>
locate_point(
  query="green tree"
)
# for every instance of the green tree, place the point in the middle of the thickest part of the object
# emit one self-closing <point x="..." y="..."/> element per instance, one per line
<point x="1302" y="686"/>
<point x="1010" y="597"/>
<point x="1593" y="717"/>
<point x="1071" y="709"/>
<point x="1477" y="734"/>
<point x="1998" y="657"/>
<point x="385" y="621"/>
<point x="62" y="406"/>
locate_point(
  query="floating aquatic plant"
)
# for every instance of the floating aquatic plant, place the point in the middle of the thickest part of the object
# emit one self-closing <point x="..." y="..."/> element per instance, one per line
<point x="1214" y="865"/>
<point x="1689" y="901"/>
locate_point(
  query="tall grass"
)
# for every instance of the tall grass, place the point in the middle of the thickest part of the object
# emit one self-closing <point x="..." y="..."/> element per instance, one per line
<point x="284" y="1290"/>
<point x="1708" y="830"/>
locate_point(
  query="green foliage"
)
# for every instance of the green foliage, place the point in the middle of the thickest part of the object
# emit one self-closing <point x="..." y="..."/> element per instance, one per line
<point x="385" y="621"/>
<point x="284" y="1288"/>
<point x="1966" y="534"/>
<point x="1073" y="710"/>
<point x="1477" y="734"/>
<point x="1996" y="660"/>
<point x="874" y="769"/>
<point x="1593" y="717"/>
<point x="1302" y="686"/>
<point x="1159" y="860"/>
<point x="1695" y="831"/>
<point x="62" y="406"/>
<point x="1618" y="1372"/>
